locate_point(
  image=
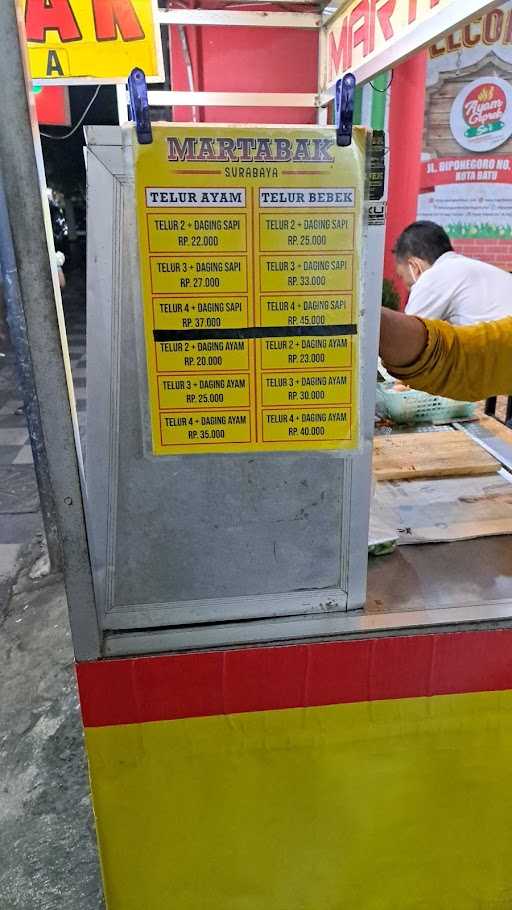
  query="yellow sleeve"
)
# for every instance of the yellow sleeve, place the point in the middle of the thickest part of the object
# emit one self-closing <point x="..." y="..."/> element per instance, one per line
<point x="467" y="363"/>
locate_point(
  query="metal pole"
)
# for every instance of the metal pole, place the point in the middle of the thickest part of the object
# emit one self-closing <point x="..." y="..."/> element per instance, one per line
<point x="321" y="111"/>
<point x="21" y="165"/>
<point x="18" y="332"/>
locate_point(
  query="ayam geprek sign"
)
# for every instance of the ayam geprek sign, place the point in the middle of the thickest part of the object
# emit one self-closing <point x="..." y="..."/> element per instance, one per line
<point x="367" y="36"/>
<point x="74" y="41"/>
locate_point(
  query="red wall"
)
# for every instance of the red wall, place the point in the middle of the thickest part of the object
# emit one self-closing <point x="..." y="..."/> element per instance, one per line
<point x="52" y="105"/>
<point x="241" y="59"/>
<point x="497" y="252"/>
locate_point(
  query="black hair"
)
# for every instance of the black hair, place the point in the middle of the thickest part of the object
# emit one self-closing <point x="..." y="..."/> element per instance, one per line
<point x="423" y="239"/>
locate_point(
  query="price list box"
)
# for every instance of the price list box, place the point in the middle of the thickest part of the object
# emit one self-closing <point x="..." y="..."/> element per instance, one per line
<point x="306" y="309"/>
<point x="330" y="272"/>
<point x="183" y="356"/>
<point x="329" y="424"/>
<point x="202" y="390"/>
<point x="215" y="427"/>
<point x="322" y="231"/>
<point x="200" y="312"/>
<point x="306" y="351"/>
<point x="196" y="232"/>
<point x="205" y="274"/>
<point x="306" y="388"/>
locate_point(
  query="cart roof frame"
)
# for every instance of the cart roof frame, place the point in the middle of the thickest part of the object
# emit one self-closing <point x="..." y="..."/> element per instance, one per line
<point x="339" y="24"/>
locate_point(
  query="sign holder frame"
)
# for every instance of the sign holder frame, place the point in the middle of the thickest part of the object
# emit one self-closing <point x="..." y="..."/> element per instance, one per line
<point x="315" y="611"/>
<point x="419" y="35"/>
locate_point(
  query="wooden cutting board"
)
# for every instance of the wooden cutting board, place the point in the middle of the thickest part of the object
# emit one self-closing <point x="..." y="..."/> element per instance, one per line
<point x="419" y="455"/>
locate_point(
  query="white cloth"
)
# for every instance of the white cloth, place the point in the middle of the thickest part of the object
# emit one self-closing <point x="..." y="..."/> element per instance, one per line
<point x="461" y="291"/>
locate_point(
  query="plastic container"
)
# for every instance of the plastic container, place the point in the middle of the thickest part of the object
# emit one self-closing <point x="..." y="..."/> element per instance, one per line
<point x="419" y="407"/>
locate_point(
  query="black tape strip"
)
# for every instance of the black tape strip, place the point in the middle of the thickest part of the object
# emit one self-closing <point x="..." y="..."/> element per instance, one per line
<point x="278" y="331"/>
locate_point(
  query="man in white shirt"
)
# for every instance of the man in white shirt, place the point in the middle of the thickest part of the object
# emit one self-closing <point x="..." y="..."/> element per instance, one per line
<point x="444" y="285"/>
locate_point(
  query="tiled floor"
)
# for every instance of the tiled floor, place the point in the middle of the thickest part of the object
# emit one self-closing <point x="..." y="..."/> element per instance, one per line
<point x="19" y="502"/>
<point x="76" y="328"/>
<point x="14" y="440"/>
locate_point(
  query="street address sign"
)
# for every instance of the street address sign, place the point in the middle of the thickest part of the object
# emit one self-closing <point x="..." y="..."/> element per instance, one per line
<point x="366" y="37"/>
<point x="76" y="41"/>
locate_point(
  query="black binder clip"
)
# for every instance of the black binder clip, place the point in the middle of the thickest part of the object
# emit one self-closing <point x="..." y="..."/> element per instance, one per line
<point x="140" y="106"/>
<point x="344" y="102"/>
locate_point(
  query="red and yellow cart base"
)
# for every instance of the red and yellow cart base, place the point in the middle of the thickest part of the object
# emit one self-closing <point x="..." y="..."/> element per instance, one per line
<point x="357" y="774"/>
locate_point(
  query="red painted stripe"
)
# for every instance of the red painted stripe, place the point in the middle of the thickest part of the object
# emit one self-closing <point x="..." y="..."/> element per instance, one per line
<point x="203" y="684"/>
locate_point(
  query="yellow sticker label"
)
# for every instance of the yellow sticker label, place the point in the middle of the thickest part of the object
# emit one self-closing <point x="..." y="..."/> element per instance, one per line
<point x="202" y="355"/>
<point x="200" y="313"/>
<point x="213" y="427"/>
<point x="303" y="233"/>
<point x="304" y="352"/>
<point x="202" y="390"/>
<point x="91" y="40"/>
<point x="306" y="309"/>
<point x="193" y="232"/>
<point x="326" y="387"/>
<point x="202" y="274"/>
<point x="304" y="273"/>
<point x="250" y="255"/>
<point x="327" y="424"/>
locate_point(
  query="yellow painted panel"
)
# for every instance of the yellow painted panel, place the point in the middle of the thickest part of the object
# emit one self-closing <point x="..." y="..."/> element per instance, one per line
<point x="391" y="805"/>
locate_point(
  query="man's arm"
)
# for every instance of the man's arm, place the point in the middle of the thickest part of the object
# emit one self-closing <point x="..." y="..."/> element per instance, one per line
<point x="402" y="338"/>
<point x="467" y="363"/>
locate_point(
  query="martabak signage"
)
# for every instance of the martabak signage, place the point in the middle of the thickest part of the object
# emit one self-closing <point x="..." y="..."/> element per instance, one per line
<point x="78" y="41"/>
<point x="368" y="36"/>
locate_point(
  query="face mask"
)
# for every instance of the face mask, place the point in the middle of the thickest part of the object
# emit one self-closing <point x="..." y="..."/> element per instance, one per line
<point x="414" y="277"/>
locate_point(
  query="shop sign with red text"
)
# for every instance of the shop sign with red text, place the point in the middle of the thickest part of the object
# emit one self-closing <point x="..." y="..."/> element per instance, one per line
<point x="368" y="36"/>
<point x="78" y="41"/>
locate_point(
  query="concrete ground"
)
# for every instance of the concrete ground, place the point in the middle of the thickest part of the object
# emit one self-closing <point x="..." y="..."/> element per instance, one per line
<point x="48" y="857"/>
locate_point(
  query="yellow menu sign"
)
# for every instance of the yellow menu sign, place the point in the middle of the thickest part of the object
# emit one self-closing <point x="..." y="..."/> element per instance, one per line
<point x="249" y="244"/>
